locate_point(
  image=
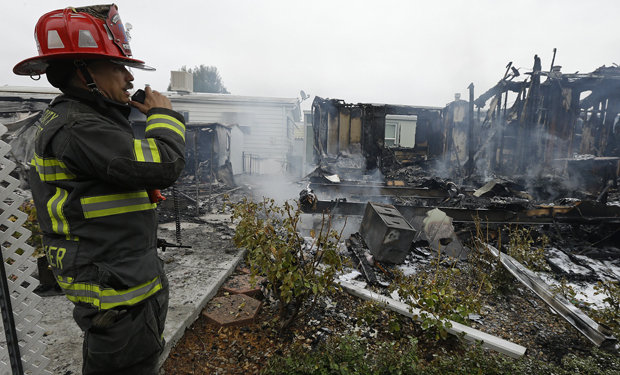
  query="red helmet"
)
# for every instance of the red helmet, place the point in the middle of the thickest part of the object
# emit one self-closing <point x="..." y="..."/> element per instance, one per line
<point x="93" y="32"/>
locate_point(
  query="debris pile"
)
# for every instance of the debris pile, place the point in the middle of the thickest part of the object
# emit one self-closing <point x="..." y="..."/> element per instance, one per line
<point x="548" y="162"/>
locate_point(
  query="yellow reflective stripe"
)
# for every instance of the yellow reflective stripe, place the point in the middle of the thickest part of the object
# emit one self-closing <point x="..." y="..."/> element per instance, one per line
<point x="65" y="279"/>
<point x="51" y="209"/>
<point x="121" y="210"/>
<point x="107" y="298"/>
<point x="160" y="121"/>
<point x="137" y="146"/>
<point x="51" y="169"/>
<point x="154" y="150"/>
<point x="114" y="197"/>
<point x="146" y="150"/>
<point x="55" y="204"/>
<point x="113" y="204"/>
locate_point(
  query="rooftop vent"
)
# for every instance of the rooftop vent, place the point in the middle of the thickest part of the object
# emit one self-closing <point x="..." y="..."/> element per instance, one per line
<point x="181" y="81"/>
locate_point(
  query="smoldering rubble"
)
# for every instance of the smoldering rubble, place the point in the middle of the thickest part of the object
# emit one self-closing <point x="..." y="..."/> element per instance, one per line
<point x="540" y="149"/>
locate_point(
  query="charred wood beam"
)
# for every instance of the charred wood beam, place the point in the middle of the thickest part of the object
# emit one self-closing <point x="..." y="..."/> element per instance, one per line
<point x="356" y="247"/>
<point x="595" y="97"/>
<point x="598" y="334"/>
<point x="469" y="166"/>
<point x="580" y="214"/>
<point x="501" y="87"/>
<point x="526" y="156"/>
<point x="378" y="190"/>
<point x="392" y="109"/>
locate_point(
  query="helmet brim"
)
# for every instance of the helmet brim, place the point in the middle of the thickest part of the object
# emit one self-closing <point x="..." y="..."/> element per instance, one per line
<point x="38" y="65"/>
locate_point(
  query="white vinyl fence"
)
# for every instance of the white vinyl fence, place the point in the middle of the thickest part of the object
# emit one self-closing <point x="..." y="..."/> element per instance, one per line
<point x="18" y="281"/>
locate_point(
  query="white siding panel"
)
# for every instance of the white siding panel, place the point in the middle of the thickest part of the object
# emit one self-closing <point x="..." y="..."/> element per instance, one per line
<point x="267" y="124"/>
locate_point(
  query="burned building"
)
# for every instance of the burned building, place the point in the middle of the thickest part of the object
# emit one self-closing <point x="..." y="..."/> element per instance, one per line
<point x="357" y="133"/>
<point x="549" y="122"/>
<point x="559" y="122"/>
<point x="211" y="151"/>
<point x="544" y="154"/>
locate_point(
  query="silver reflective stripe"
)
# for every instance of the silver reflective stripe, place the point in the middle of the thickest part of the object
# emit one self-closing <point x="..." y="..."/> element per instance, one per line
<point x="146" y="150"/>
<point x="131" y="296"/>
<point x="51" y="169"/>
<point x="86" y="40"/>
<point x="107" y="298"/>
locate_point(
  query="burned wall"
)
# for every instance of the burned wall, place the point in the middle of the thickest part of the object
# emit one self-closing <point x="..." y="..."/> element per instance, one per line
<point x="207" y="149"/>
<point x="358" y="130"/>
<point x="554" y="117"/>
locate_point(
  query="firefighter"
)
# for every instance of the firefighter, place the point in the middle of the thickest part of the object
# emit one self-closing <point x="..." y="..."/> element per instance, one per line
<point x="90" y="181"/>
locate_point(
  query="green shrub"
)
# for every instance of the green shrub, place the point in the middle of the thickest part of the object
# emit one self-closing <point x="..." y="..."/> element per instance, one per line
<point x="485" y="268"/>
<point x="524" y="249"/>
<point x="438" y="297"/>
<point x="351" y="355"/>
<point x="598" y="362"/>
<point x="610" y="314"/>
<point x="348" y="355"/>
<point x="296" y="276"/>
<point x="488" y="270"/>
<point x="32" y="224"/>
<point x="374" y="314"/>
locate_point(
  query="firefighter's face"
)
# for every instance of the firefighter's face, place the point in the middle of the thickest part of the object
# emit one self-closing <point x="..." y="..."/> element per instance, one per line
<point x="113" y="80"/>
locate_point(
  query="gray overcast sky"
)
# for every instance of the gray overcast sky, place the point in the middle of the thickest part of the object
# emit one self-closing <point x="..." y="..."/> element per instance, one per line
<point x="398" y="52"/>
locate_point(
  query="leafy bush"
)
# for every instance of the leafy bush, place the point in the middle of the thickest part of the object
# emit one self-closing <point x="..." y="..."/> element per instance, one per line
<point x="32" y="224"/>
<point x="438" y="297"/>
<point x="610" y="314"/>
<point x="296" y="272"/>
<point x="487" y="268"/>
<point x="373" y="314"/>
<point x="565" y="290"/>
<point x="522" y="247"/>
<point x="352" y="355"/>
<point x="349" y="355"/>
<point x="598" y="362"/>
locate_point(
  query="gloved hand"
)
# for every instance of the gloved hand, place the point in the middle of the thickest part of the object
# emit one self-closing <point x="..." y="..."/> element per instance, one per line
<point x="155" y="196"/>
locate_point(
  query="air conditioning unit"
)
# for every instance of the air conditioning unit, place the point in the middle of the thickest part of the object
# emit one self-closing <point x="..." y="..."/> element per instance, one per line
<point x="181" y="81"/>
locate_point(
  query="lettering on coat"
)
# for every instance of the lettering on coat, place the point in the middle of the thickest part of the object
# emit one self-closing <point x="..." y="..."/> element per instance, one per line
<point x="54" y="255"/>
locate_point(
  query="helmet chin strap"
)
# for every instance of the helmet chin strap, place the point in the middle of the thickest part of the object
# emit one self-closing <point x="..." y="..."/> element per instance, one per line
<point x="90" y="82"/>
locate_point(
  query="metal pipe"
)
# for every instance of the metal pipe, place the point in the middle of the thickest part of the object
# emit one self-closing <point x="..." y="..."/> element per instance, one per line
<point x="211" y="169"/>
<point x="598" y="334"/>
<point x="8" y="321"/>
<point x="196" y="170"/>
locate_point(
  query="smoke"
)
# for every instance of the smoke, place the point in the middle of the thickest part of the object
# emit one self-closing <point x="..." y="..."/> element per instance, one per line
<point x="280" y="188"/>
<point x="444" y="168"/>
<point x="374" y="176"/>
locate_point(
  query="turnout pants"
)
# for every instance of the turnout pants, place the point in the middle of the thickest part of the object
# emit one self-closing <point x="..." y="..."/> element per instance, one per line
<point x="125" y="340"/>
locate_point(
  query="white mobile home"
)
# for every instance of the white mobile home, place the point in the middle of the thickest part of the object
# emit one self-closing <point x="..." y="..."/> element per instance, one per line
<point x="267" y="125"/>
